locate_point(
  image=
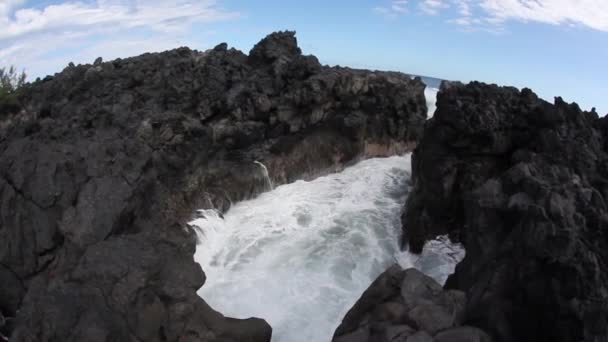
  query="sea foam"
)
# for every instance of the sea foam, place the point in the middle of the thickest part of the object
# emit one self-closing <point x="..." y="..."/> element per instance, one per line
<point x="301" y="255"/>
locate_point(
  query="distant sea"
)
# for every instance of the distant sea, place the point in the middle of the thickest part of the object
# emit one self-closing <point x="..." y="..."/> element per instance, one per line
<point x="431" y="82"/>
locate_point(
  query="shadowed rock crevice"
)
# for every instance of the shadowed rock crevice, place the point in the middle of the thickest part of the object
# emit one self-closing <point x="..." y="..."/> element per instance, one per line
<point x="106" y="163"/>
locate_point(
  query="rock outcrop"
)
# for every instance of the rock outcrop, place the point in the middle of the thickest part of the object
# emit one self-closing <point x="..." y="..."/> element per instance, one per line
<point x="105" y="163"/>
<point x="522" y="183"/>
<point x="407" y="306"/>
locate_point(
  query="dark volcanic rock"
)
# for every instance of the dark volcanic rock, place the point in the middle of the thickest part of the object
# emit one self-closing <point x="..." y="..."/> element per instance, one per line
<point x="522" y="184"/>
<point x="107" y="162"/>
<point x="407" y="306"/>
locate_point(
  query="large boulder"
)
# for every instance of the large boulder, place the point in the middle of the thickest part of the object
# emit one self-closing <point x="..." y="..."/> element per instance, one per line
<point x="106" y="163"/>
<point x="407" y="306"/>
<point x="522" y="183"/>
<point x="275" y="46"/>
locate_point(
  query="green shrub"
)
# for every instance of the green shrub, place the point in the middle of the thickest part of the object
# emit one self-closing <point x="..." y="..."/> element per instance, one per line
<point x="11" y="84"/>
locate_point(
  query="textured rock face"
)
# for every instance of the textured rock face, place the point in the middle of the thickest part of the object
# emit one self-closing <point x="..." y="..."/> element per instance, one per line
<point x="522" y="184"/>
<point x="106" y="163"/>
<point x="407" y="306"/>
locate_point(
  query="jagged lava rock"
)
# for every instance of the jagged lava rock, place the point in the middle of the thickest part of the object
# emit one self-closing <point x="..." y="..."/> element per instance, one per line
<point x="105" y="163"/>
<point x="407" y="306"/>
<point x="522" y="184"/>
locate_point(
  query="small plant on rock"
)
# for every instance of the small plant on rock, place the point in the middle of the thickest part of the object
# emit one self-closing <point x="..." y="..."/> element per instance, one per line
<point x="11" y="84"/>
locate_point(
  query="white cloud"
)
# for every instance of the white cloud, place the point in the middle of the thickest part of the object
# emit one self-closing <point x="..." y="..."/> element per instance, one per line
<point x="432" y="7"/>
<point x="399" y="6"/>
<point x="393" y="8"/>
<point x="6" y="6"/>
<point x="493" y="15"/>
<point x="590" y="13"/>
<point x="35" y="38"/>
<point x="464" y="7"/>
<point x="160" y="15"/>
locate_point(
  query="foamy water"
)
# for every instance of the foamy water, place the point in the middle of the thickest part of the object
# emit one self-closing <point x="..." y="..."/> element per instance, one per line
<point x="301" y="255"/>
<point x="431" y="100"/>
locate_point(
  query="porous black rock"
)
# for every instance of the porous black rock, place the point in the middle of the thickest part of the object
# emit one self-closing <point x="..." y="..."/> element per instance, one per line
<point x="104" y="164"/>
<point x="522" y="183"/>
<point x="407" y="306"/>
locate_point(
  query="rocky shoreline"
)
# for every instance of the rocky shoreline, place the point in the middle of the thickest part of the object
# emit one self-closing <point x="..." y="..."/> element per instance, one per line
<point x="105" y="164"/>
<point x="521" y="183"/>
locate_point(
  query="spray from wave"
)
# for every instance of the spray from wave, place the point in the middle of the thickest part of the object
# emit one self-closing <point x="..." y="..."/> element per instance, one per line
<point x="431" y="100"/>
<point x="430" y="93"/>
<point x="301" y="255"/>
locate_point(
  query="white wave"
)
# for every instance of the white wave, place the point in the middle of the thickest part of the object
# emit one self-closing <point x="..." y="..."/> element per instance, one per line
<point x="301" y="255"/>
<point x="431" y="100"/>
<point x="438" y="258"/>
<point x="269" y="183"/>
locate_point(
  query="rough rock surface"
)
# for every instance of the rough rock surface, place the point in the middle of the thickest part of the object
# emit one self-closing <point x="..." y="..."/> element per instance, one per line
<point x="105" y="164"/>
<point x="407" y="306"/>
<point x="522" y="183"/>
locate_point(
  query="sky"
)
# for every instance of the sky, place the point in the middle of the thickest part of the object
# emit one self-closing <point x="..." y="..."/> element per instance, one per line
<point x="554" y="47"/>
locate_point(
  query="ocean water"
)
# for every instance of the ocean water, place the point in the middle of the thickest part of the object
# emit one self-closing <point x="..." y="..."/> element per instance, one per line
<point x="432" y="88"/>
<point x="301" y="255"/>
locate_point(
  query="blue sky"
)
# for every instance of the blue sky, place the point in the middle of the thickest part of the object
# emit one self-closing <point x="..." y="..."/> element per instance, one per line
<point x="555" y="47"/>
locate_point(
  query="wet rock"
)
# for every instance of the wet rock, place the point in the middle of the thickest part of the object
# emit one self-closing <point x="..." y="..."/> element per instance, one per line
<point x="361" y="335"/>
<point x="463" y="334"/>
<point x="420" y="336"/>
<point x="418" y="288"/>
<point x="403" y="305"/>
<point x="431" y="317"/>
<point x="398" y="333"/>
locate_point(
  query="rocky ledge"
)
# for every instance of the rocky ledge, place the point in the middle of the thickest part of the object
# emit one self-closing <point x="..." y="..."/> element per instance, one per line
<point x="105" y="163"/>
<point x="408" y="306"/>
<point x="522" y="183"/>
